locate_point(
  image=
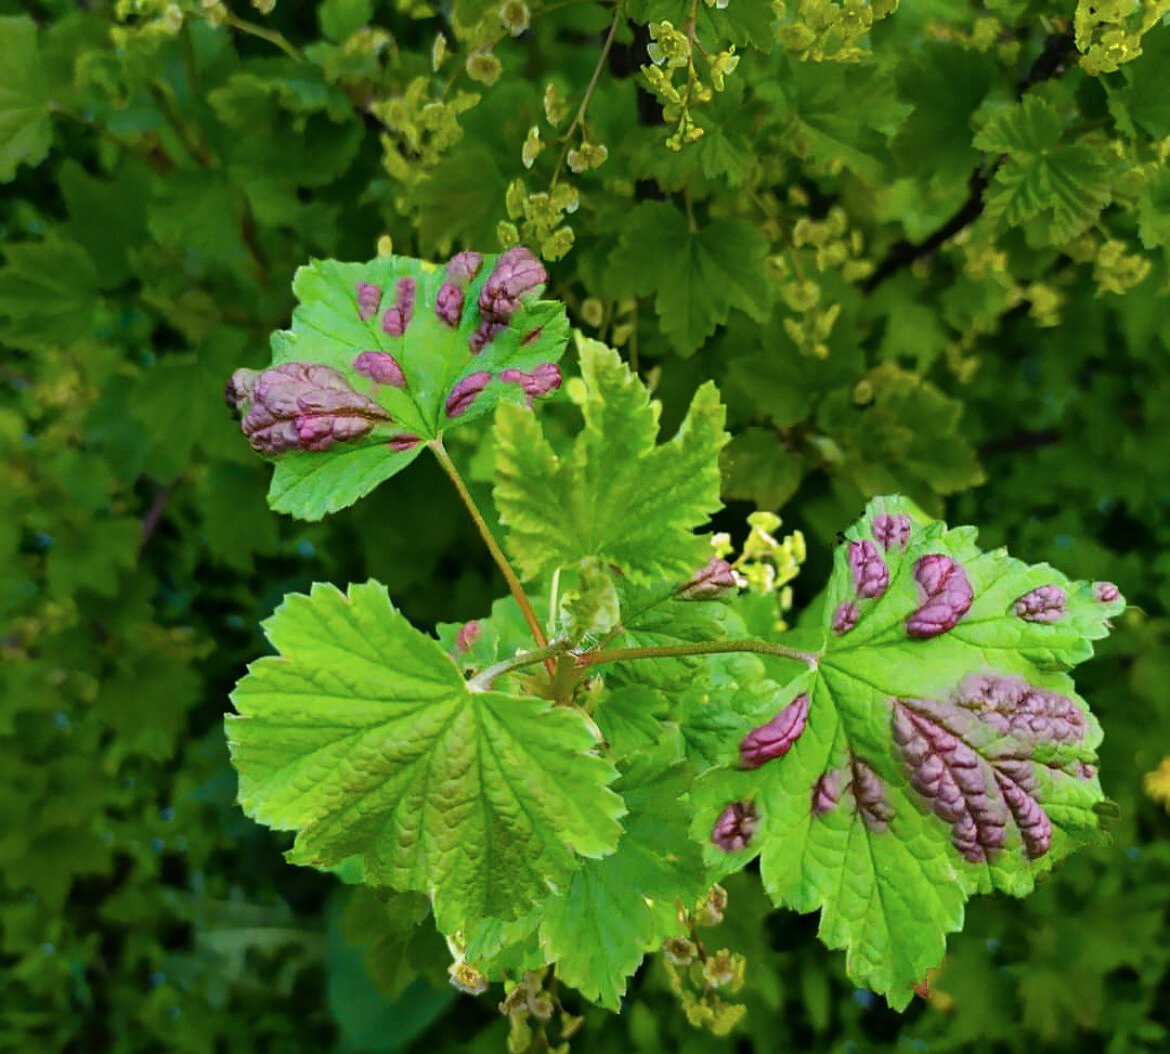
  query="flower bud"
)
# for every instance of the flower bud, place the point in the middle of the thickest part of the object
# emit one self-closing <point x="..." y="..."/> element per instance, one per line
<point x="466" y="392"/>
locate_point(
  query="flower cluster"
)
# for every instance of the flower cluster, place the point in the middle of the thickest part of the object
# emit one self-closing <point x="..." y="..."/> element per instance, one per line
<point x="672" y="52"/>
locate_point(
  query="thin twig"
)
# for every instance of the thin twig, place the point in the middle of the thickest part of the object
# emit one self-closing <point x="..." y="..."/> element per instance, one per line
<point x="702" y="647"/>
<point x="1049" y="64"/>
<point x="585" y="99"/>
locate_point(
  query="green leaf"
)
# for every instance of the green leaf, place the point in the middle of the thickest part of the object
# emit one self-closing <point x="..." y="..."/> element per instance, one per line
<point x="696" y="277"/>
<point x="363" y="738"/>
<point x="596" y="502"/>
<point x="1065" y="184"/>
<point x="25" y="129"/>
<point x="945" y="82"/>
<point x="866" y="819"/>
<point x="48" y="294"/>
<point x="433" y="357"/>
<point x="617" y="909"/>
<point x="759" y="467"/>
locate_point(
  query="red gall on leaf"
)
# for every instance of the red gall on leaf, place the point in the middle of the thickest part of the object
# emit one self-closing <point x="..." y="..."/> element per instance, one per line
<point x="466" y="392"/>
<point x="869" y="795"/>
<point x="735" y="827"/>
<point x="516" y="274"/>
<point x="369" y="297"/>
<point x="775" y="738"/>
<point x="870" y="574"/>
<point x="306" y="406"/>
<point x="946" y="596"/>
<point x="1044" y="604"/>
<point x="381" y="367"/>
<point x="845" y="617"/>
<point x="891" y="531"/>
<point x="398" y="315"/>
<point x="717" y="578"/>
<point x="541" y="380"/>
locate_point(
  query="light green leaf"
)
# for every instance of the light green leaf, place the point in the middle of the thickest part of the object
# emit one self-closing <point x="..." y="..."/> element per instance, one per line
<point x="617" y="909"/>
<point x="25" y="129"/>
<point x="1065" y="184"/>
<point x="363" y="738"/>
<point x="696" y="277"/>
<point x="433" y="357"/>
<point x="929" y="768"/>
<point x="619" y="496"/>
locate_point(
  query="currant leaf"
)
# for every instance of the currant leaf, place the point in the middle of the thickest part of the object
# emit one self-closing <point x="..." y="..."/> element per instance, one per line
<point x="363" y="738"/>
<point x="385" y="356"/>
<point x="596" y="502"/>
<point x="937" y="750"/>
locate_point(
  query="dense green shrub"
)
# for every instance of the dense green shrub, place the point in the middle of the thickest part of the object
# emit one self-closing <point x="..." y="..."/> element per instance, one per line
<point x="919" y="250"/>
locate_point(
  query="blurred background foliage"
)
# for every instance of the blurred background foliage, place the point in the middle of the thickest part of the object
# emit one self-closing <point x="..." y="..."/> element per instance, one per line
<point x="920" y="250"/>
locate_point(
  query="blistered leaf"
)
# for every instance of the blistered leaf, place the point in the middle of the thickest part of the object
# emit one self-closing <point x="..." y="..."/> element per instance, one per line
<point x="937" y="750"/>
<point x="361" y="736"/>
<point x="391" y="354"/>
<point x="619" y="496"/>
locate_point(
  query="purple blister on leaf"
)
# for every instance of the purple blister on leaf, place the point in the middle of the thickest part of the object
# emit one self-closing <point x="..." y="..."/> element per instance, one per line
<point x="826" y="792"/>
<point x="870" y="574"/>
<point x="406" y="441"/>
<point x="891" y="530"/>
<point x="398" y="315"/>
<point x="946" y="596"/>
<point x="380" y="366"/>
<point x="1106" y="592"/>
<point x="306" y="406"/>
<point x="369" y="297"/>
<point x="1012" y="706"/>
<point x="715" y="579"/>
<point x="541" y="380"/>
<point x="240" y="390"/>
<point x="449" y="304"/>
<point x="1018" y="786"/>
<point x="484" y="334"/>
<point x="1045" y="604"/>
<point x="949" y="774"/>
<point x="463" y="267"/>
<point x="466" y="392"/>
<point x="870" y="795"/>
<point x="735" y="827"/>
<point x="516" y="273"/>
<point x="845" y="617"/>
<point x="775" y="738"/>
